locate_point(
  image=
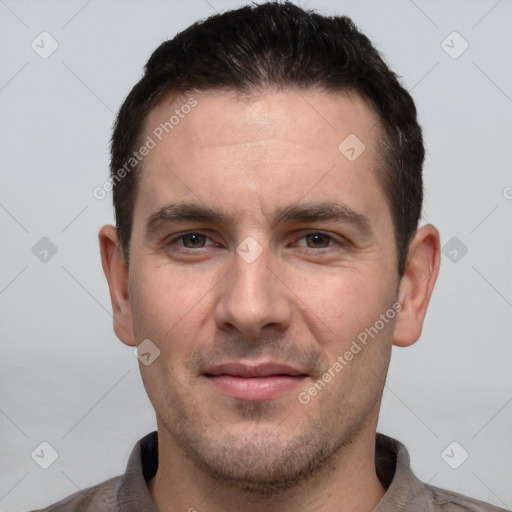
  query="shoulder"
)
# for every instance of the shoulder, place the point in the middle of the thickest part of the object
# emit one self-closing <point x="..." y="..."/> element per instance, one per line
<point x="95" y="498"/>
<point x="407" y="493"/>
<point x="449" y="501"/>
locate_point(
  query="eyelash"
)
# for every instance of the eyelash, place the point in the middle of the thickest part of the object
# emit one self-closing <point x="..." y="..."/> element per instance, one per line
<point x="331" y="241"/>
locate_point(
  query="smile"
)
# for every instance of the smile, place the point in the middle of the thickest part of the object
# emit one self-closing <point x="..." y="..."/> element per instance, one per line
<point x="254" y="382"/>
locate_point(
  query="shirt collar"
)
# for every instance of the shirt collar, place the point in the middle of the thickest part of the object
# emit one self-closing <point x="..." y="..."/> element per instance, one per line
<point x="131" y="492"/>
<point x="404" y="489"/>
<point x="391" y="460"/>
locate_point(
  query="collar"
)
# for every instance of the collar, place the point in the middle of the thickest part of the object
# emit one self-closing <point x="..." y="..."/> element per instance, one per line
<point x="391" y="460"/>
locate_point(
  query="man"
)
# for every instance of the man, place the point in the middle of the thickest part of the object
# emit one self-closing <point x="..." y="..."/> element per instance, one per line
<point x="267" y="185"/>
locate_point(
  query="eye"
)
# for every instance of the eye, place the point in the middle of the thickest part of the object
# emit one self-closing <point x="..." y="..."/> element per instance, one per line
<point x="316" y="241"/>
<point x="193" y="240"/>
<point x="189" y="241"/>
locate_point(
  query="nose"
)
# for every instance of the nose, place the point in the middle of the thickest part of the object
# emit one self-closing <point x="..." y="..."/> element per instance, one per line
<point x="253" y="298"/>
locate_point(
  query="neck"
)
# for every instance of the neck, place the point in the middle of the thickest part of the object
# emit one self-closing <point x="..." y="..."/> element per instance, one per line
<point x="348" y="478"/>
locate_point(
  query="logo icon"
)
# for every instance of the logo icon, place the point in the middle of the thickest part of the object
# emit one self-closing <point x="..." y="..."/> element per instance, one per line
<point x="454" y="455"/>
<point x="44" y="45"/>
<point x="454" y="45"/>
<point x="44" y="455"/>
<point x="44" y="250"/>
<point x="146" y="352"/>
<point x="454" y="250"/>
<point x="351" y="147"/>
<point x="249" y="249"/>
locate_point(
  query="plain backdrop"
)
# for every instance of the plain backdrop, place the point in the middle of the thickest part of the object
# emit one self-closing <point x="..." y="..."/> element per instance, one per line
<point x="65" y="378"/>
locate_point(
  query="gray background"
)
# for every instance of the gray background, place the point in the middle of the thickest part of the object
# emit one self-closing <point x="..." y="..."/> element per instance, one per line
<point x="67" y="380"/>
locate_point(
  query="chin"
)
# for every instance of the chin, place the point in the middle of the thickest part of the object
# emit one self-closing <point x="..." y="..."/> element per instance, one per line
<point x="259" y="458"/>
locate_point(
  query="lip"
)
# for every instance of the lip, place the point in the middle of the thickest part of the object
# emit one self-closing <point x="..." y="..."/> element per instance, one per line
<point x="254" y="381"/>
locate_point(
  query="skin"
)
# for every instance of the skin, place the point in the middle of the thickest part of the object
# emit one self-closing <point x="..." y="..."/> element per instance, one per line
<point x="302" y="301"/>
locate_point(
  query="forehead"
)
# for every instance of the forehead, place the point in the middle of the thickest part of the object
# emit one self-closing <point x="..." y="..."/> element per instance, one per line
<point x="232" y="117"/>
<point x="236" y="151"/>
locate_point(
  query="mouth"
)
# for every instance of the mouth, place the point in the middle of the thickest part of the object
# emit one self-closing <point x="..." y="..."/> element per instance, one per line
<point x="254" y="381"/>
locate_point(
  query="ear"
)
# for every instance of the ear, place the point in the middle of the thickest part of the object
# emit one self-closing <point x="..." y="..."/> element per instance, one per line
<point x="416" y="285"/>
<point x="116" y="272"/>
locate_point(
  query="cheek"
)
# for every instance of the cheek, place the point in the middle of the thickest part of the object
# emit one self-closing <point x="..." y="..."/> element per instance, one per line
<point x="160" y="301"/>
<point x="173" y="309"/>
<point x="340" y="305"/>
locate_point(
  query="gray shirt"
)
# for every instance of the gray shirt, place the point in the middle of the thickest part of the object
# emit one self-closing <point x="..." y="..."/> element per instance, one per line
<point x="405" y="493"/>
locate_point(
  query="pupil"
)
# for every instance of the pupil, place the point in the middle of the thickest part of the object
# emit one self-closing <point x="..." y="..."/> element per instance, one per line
<point x="318" y="239"/>
<point x="193" y="239"/>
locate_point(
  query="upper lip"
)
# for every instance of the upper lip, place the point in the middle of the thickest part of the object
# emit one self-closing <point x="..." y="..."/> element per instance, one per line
<point x="253" y="370"/>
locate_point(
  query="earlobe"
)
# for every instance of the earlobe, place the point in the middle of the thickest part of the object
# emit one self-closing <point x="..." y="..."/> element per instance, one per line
<point x="116" y="272"/>
<point x="417" y="284"/>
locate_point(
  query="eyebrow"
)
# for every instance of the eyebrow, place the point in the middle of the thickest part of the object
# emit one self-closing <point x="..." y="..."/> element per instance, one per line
<point x="325" y="211"/>
<point x="185" y="212"/>
<point x="317" y="212"/>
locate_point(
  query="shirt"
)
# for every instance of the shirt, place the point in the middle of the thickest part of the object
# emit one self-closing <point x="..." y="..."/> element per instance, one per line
<point x="405" y="492"/>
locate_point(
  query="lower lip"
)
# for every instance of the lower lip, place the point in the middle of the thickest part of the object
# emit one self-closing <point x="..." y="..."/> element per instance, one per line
<point x="255" y="388"/>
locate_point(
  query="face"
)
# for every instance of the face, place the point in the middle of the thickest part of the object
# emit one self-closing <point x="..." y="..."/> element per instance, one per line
<point x="261" y="254"/>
